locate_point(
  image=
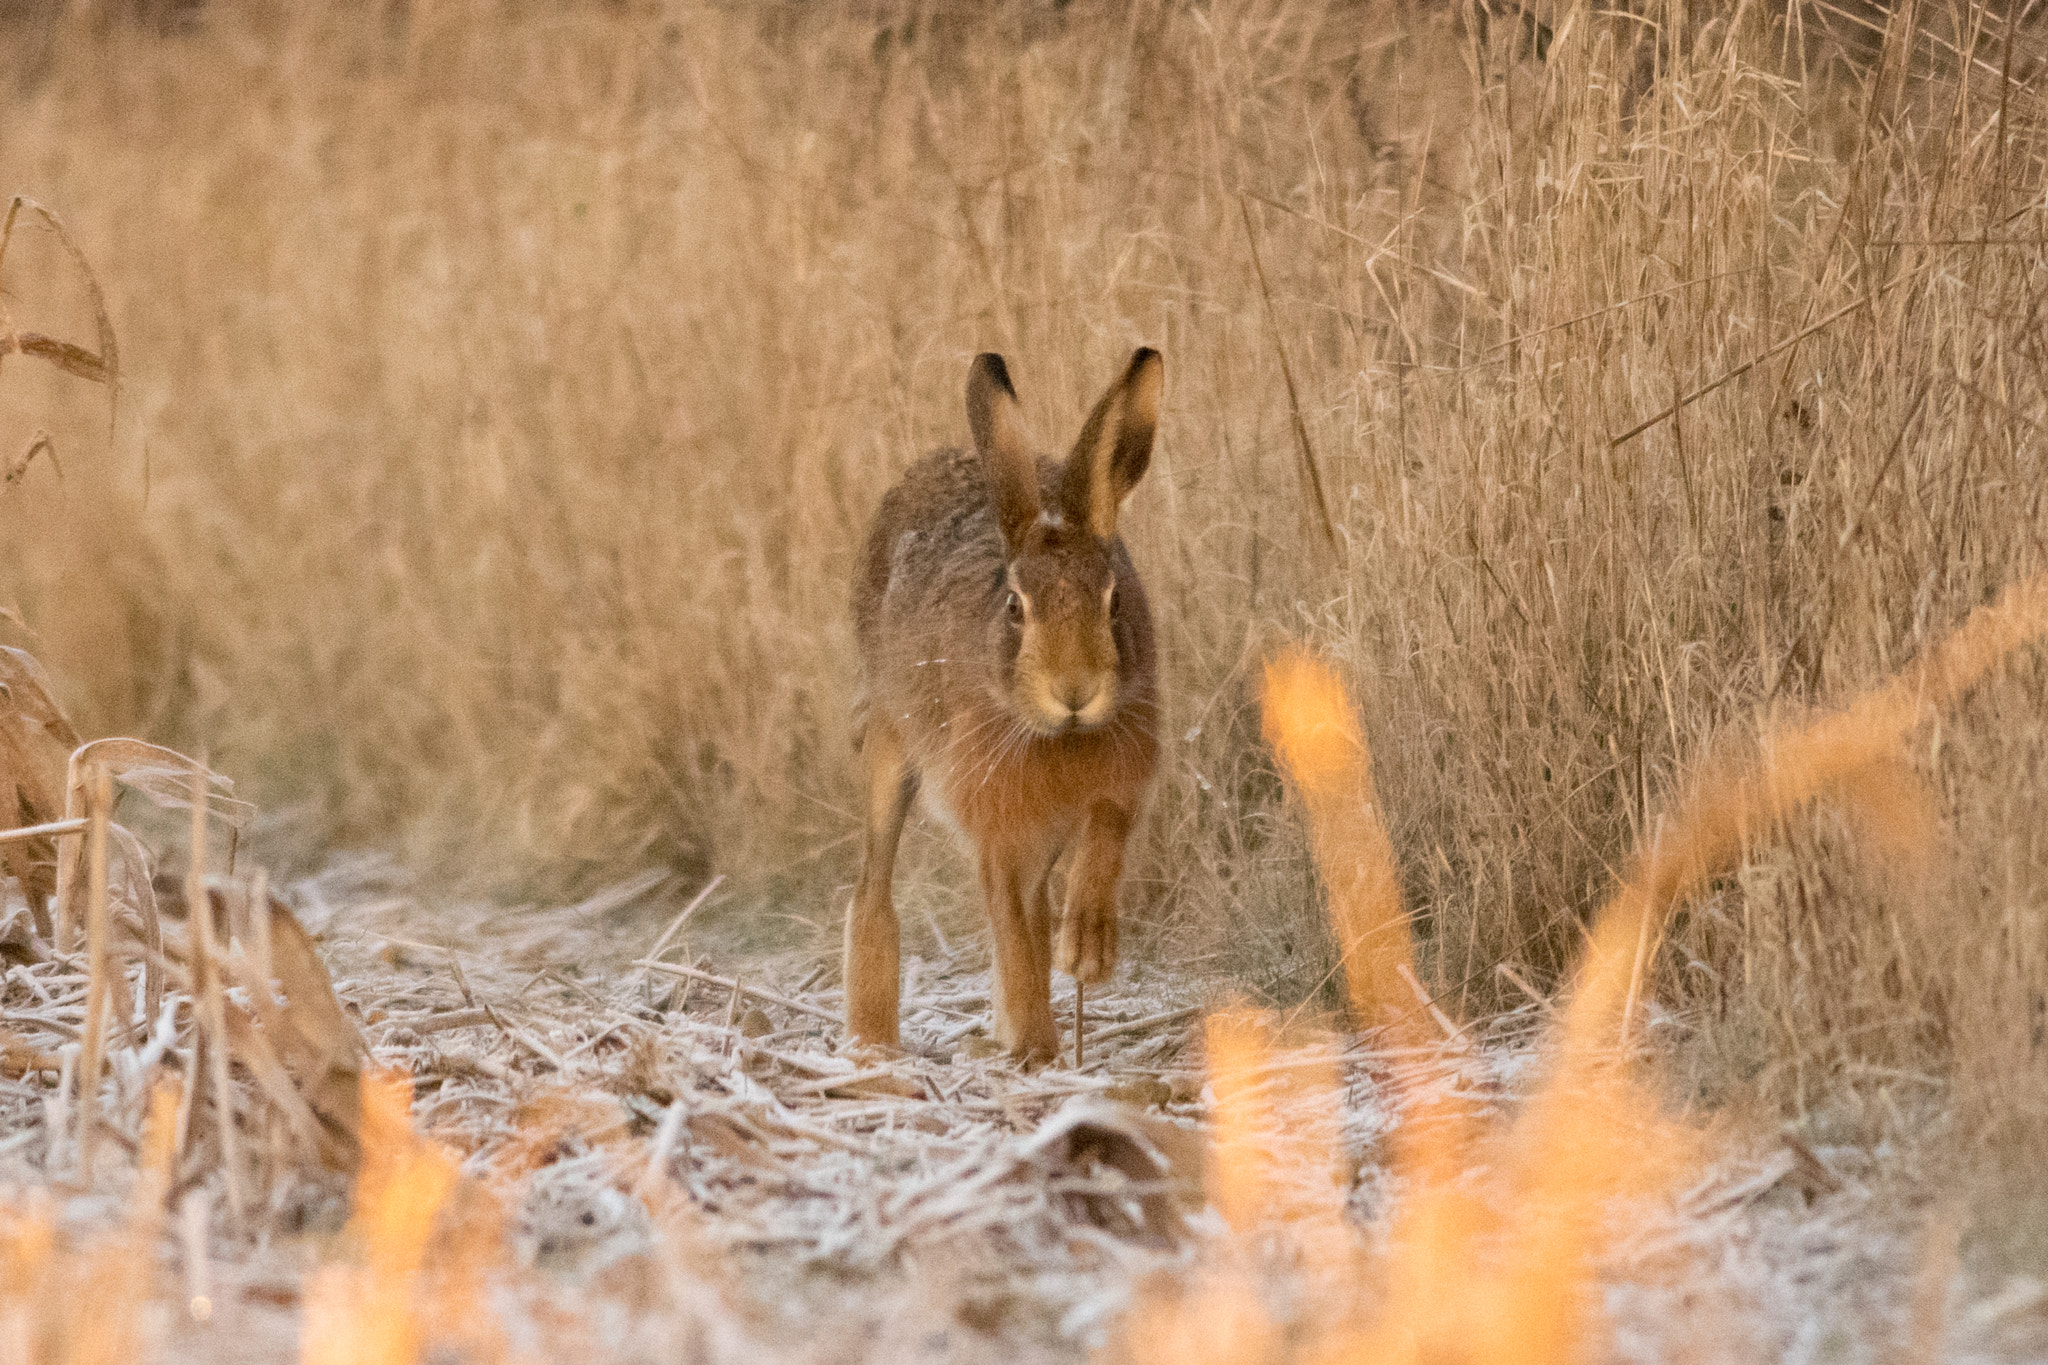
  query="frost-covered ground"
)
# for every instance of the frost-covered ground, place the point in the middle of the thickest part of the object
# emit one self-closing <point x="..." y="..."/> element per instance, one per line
<point x="682" y="1165"/>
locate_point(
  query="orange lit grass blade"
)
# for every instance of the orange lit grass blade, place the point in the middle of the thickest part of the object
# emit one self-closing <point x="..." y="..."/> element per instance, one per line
<point x="1219" y="1315"/>
<point x="1504" y="1271"/>
<point x="1853" y="753"/>
<point x="1591" y="1133"/>
<point x="1275" y="1171"/>
<point x="1276" y="1154"/>
<point x="403" y="1182"/>
<point x="1217" y="1319"/>
<point x="1310" y="724"/>
<point x="370" y="1313"/>
<point x="1237" y="1048"/>
<point x="117" y="1276"/>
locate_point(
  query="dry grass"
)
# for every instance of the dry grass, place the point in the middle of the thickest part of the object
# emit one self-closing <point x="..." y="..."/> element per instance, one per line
<point x="505" y="390"/>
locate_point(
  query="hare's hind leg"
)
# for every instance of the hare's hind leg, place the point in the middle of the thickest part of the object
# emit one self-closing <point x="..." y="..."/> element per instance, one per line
<point x="873" y="946"/>
<point x="1088" y="929"/>
<point x="1023" y="977"/>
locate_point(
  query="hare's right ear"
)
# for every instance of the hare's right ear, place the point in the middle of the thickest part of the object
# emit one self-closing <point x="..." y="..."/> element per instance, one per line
<point x="999" y="440"/>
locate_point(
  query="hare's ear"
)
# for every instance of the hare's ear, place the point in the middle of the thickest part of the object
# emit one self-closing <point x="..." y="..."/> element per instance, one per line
<point x="1115" y="446"/>
<point x="999" y="440"/>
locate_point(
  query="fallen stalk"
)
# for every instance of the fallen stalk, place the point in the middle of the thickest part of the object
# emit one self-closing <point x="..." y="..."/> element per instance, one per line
<point x="1149" y="1021"/>
<point x="726" y="982"/>
<point x="53" y="830"/>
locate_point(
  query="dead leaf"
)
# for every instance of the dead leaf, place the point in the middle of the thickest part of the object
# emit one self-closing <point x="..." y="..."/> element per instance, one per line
<point x="561" y="1122"/>
<point x="103" y="366"/>
<point x="292" y="1034"/>
<point x="17" y="466"/>
<point x="734" y="1138"/>
<point x="66" y="356"/>
<point x="897" y="1087"/>
<point x="163" y="775"/>
<point x="325" y="1052"/>
<point x="1104" y="1146"/>
<point x="18" y="940"/>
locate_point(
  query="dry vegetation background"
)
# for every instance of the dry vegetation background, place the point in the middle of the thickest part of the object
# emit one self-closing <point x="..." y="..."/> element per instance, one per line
<point x="506" y="387"/>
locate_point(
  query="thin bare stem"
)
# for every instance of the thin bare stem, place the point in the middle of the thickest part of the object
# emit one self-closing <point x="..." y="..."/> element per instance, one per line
<point x="98" y="927"/>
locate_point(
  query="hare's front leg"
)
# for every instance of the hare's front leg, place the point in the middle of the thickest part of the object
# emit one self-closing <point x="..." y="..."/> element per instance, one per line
<point x="1038" y="908"/>
<point x="1023" y="994"/>
<point x="1088" y="929"/>
<point x="873" y="946"/>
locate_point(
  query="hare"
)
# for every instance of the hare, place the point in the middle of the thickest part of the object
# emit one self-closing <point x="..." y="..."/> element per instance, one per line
<point x="1011" y="675"/>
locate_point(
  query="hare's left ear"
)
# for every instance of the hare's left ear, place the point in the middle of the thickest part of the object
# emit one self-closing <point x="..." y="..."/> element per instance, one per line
<point x="1115" y="446"/>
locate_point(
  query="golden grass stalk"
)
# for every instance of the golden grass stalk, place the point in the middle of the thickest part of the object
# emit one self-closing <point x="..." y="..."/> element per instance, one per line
<point x="1313" y="727"/>
<point x="28" y="1242"/>
<point x="1309" y="721"/>
<point x="1219" y="1318"/>
<point x="118" y="1277"/>
<point x="210" y="1004"/>
<point x="1853" y="754"/>
<point x="1482" y="1270"/>
<point x="368" y="1313"/>
<point x="1239" y="1187"/>
<point x="1292" y="1172"/>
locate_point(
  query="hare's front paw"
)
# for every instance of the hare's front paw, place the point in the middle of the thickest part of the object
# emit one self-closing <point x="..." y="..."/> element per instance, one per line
<point x="1029" y="1035"/>
<point x="866" y="1051"/>
<point x="873" y="1025"/>
<point x="1088" y="942"/>
<point x="1035" y="1051"/>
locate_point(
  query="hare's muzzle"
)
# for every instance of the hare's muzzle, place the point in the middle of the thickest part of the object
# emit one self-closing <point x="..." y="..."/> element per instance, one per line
<point x="1091" y="701"/>
<point x="1064" y="705"/>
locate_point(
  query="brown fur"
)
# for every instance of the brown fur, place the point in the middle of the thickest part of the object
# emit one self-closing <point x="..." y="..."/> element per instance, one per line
<point x="1005" y="681"/>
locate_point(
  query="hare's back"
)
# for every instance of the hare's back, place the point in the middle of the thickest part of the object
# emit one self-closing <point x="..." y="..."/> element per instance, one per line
<point x="934" y="537"/>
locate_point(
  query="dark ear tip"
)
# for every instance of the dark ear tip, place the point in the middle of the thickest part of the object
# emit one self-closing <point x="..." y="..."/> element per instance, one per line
<point x="990" y="364"/>
<point x="1144" y="356"/>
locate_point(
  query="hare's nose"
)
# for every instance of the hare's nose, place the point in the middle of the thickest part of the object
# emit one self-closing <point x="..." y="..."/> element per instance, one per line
<point x="1081" y="694"/>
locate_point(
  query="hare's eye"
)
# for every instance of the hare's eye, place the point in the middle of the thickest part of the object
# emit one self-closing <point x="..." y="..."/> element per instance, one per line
<point x="1013" y="606"/>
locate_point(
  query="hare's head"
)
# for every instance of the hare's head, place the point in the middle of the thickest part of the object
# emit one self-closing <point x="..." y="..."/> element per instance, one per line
<point x="1058" y="604"/>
